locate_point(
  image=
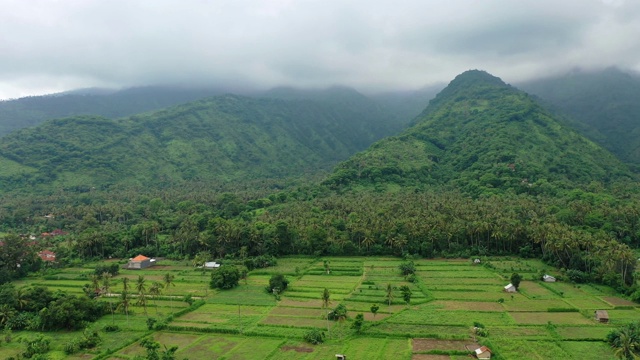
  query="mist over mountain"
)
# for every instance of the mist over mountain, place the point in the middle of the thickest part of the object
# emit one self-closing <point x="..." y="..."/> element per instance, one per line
<point x="603" y="105"/>
<point x="30" y="111"/>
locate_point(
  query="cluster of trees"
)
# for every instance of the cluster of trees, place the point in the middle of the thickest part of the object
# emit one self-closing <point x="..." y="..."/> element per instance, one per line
<point x="37" y="308"/>
<point x="626" y="341"/>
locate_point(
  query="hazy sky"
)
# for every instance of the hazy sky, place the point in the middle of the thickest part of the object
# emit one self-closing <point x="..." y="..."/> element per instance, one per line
<point x="49" y="46"/>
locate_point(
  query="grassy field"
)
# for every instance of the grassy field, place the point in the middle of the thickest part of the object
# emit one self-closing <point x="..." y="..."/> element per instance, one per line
<point x="541" y="321"/>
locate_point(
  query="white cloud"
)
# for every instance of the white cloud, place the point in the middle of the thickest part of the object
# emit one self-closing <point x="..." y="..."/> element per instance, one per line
<point x="57" y="45"/>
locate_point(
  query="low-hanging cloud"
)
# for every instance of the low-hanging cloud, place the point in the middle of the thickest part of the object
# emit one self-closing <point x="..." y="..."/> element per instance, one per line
<point x="371" y="45"/>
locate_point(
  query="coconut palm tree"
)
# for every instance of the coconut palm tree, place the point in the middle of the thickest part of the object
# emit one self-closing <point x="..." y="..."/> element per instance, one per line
<point x="155" y="290"/>
<point x="325" y="304"/>
<point x="168" y="281"/>
<point x="389" y="294"/>
<point x="141" y="288"/>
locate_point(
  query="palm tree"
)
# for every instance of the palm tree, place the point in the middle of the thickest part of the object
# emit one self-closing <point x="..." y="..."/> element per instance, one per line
<point x="21" y="298"/>
<point x="141" y="288"/>
<point x="389" y="294"/>
<point x="155" y="290"/>
<point x="325" y="304"/>
<point x="106" y="287"/>
<point x="6" y="314"/>
<point x="168" y="281"/>
<point x="125" y="302"/>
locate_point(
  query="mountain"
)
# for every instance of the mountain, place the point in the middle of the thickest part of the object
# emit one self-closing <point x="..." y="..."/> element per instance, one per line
<point x="483" y="136"/>
<point x="30" y="111"/>
<point x="605" y="104"/>
<point x="224" y="138"/>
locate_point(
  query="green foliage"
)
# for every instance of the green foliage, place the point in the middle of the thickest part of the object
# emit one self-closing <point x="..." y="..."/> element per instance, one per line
<point x="406" y="293"/>
<point x="314" y="336"/>
<point x="374" y="309"/>
<point x="407" y="268"/>
<point x="515" y="280"/>
<point x="626" y="341"/>
<point x="89" y="339"/>
<point x="36" y="346"/>
<point x="358" y="322"/>
<point x="112" y="269"/>
<point x="225" y="277"/>
<point x="338" y="313"/>
<point x="277" y="284"/>
<point x="260" y="262"/>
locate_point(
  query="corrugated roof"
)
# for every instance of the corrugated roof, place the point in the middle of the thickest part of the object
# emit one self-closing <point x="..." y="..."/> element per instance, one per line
<point x="140" y="258"/>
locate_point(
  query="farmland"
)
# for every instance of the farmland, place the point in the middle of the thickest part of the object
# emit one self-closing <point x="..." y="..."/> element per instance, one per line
<point x="541" y="321"/>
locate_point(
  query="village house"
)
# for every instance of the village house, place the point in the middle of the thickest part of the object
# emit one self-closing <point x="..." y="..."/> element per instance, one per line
<point x="47" y="255"/>
<point x="140" y="262"/>
<point x="211" y="265"/>
<point x="602" y="316"/>
<point x="548" y="278"/>
<point x="510" y="288"/>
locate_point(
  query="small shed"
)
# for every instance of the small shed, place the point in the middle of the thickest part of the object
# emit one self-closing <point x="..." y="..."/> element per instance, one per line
<point x="211" y="265"/>
<point x="510" y="288"/>
<point x="483" y="352"/>
<point x="548" y="278"/>
<point x="602" y="316"/>
<point x="476" y="261"/>
<point x="341" y="357"/>
<point x="140" y="262"/>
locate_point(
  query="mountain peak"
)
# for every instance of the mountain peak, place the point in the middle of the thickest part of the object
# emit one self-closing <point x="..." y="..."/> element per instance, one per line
<point x="476" y="77"/>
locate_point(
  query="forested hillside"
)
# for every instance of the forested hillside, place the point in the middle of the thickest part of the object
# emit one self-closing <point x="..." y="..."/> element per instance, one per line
<point x="482" y="136"/>
<point x="225" y="138"/>
<point x="604" y="102"/>
<point x="31" y="111"/>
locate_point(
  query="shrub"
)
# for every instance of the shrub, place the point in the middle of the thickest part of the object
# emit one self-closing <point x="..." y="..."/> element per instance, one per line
<point x="314" y="336"/>
<point x="278" y="282"/>
<point x="339" y="313"/>
<point x="111" y="328"/>
<point x="407" y="268"/>
<point x="226" y="277"/>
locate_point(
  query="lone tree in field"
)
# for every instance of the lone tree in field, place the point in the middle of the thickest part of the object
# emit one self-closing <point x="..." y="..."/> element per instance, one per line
<point x="389" y="294"/>
<point x="325" y="304"/>
<point x="515" y="280"/>
<point x="406" y="294"/>
<point x="226" y="277"/>
<point x="374" y="309"/>
<point x="168" y="281"/>
<point x="277" y="284"/>
<point x="141" y="288"/>
<point x="358" y="322"/>
<point x="154" y="291"/>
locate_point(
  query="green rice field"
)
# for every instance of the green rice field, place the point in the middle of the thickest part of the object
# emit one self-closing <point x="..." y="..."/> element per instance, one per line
<point x="541" y="321"/>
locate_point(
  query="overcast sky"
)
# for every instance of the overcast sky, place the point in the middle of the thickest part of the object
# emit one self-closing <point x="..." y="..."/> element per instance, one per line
<point x="49" y="46"/>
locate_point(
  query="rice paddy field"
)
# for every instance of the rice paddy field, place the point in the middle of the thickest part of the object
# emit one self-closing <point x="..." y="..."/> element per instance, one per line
<point x="540" y="321"/>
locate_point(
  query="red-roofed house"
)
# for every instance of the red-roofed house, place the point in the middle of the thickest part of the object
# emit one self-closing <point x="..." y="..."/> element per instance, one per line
<point x="140" y="262"/>
<point x="483" y="352"/>
<point x="47" y="255"/>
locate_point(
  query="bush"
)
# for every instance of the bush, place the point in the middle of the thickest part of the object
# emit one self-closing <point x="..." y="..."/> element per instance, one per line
<point x="339" y="313"/>
<point x="111" y="328"/>
<point x="314" y="336"/>
<point x="112" y="269"/>
<point x="278" y="282"/>
<point x="225" y="277"/>
<point x="260" y="262"/>
<point x="407" y="268"/>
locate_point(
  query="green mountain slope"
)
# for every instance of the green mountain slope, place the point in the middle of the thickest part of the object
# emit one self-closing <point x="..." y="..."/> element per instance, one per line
<point x="604" y="102"/>
<point x="225" y="138"/>
<point x="483" y="136"/>
<point x="30" y="111"/>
